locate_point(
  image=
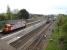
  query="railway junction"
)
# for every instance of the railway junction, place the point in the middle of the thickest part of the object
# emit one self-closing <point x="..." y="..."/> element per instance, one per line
<point x="33" y="37"/>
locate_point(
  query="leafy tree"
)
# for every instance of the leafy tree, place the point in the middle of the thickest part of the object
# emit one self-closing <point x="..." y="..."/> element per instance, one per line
<point x="23" y="13"/>
<point x="2" y="17"/>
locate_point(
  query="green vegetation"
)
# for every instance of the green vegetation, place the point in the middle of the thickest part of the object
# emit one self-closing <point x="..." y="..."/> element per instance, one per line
<point x="8" y="15"/>
<point x="64" y="30"/>
<point x="59" y="35"/>
<point x="23" y="14"/>
<point x="54" y="43"/>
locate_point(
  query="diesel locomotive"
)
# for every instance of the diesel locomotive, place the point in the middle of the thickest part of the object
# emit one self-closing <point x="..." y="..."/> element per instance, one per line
<point x="13" y="25"/>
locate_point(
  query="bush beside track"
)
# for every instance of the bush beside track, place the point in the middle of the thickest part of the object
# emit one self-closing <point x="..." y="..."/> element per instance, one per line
<point x="58" y="40"/>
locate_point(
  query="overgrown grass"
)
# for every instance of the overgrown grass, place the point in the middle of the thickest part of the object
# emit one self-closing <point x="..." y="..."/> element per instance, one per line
<point x="54" y="43"/>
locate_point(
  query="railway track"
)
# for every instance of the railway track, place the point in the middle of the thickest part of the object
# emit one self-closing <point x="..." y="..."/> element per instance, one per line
<point x="23" y="41"/>
<point x="12" y="37"/>
<point x="25" y="38"/>
<point x="30" y="38"/>
<point x="43" y="42"/>
<point x="39" y="42"/>
<point x="27" y="25"/>
<point x="35" y="43"/>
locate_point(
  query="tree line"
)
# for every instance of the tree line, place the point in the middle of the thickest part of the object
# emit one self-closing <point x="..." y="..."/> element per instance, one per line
<point x="22" y="14"/>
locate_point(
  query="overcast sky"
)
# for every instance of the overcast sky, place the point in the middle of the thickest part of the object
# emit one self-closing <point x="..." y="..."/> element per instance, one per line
<point x="36" y="6"/>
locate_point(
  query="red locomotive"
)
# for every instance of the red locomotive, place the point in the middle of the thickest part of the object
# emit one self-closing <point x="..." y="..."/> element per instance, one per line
<point x="13" y="25"/>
